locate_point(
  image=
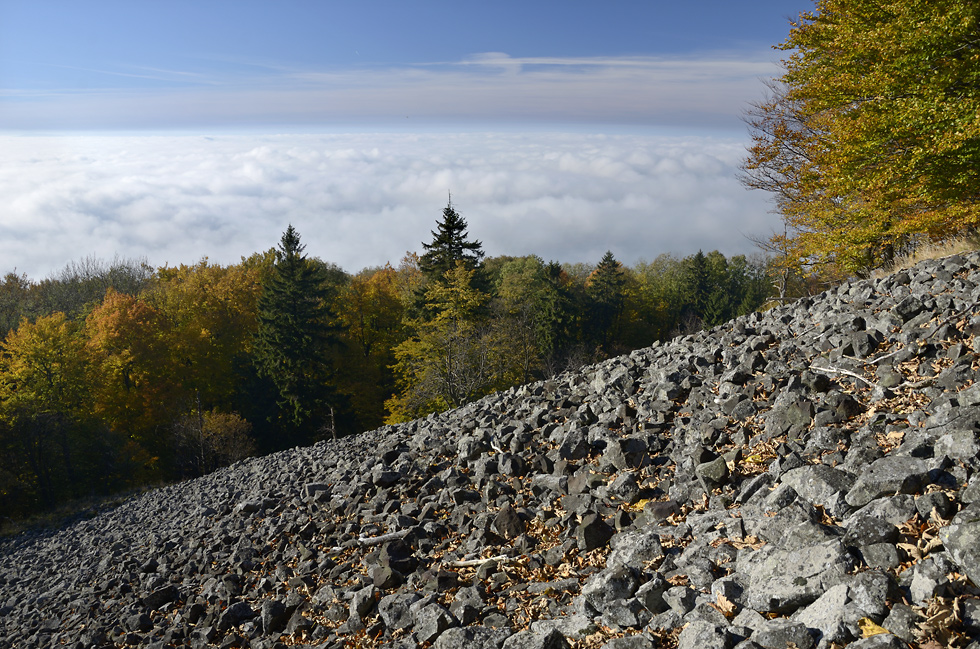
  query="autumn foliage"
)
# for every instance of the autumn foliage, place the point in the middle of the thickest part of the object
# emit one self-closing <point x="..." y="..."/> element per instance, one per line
<point x="116" y="376"/>
<point x="871" y="138"/>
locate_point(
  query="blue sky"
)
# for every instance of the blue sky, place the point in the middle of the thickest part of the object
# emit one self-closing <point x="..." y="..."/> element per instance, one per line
<point x="232" y="65"/>
<point x="664" y="82"/>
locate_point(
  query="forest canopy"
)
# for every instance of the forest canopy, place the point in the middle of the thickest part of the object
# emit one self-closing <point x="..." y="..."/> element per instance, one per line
<point x="115" y="375"/>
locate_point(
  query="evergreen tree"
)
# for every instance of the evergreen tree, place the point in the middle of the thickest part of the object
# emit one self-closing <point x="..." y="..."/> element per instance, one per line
<point x="449" y="245"/>
<point x="294" y="336"/>
<point x="697" y="284"/>
<point x="605" y="289"/>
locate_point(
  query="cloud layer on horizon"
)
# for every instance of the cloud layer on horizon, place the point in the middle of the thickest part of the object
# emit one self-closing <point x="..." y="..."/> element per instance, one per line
<point x="705" y="90"/>
<point x="362" y="200"/>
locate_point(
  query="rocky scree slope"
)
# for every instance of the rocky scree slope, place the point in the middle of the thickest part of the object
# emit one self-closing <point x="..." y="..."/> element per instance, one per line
<point x="805" y="477"/>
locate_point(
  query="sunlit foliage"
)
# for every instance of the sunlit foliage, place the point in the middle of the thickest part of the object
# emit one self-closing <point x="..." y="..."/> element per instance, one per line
<point x="871" y="139"/>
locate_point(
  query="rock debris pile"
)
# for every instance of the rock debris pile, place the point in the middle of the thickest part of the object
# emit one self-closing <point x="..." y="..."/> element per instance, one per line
<point x="805" y="477"/>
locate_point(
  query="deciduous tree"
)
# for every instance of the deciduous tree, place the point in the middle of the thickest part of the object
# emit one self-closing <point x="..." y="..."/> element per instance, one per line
<point x="134" y="390"/>
<point x="453" y="357"/>
<point x="872" y="140"/>
<point x="370" y="311"/>
<point x="212" y="311"/>
<point x="50" y="445"/>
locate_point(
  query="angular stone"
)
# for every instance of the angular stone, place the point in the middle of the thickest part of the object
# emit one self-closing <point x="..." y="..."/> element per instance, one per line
<point x="395" y="610"/>
<point x="869" y="592"/>
<point x="574" y="626"/>
<point x="626" y="453"/>
<point x="902" y="621"/>
<point x="399" y="556"/>
<point x="508" y="523"/>
<point x="634" y="548"/>
<point x="908" y="308"/>
<point x="431" y="621"/>
<point x="827" y="615"/>
<point x="712" y="474"/>
<point x="927" y="580"/>
<point x="639" y="641"/>
<point x="536" y="640"/>
<point x="651" y="594"/>
<point x="139" y="622"/>
<point x="363" y="602"/>
<point x="961" y="445"/>
<point x="781" y="632"/>
<point x="625" y="613"/>
<point x="614" y="583"/>
<point x="818" y="483"/>
<point x="466" y="605"/>
<point x="962" y="541"/>
<point x="783" y="580"/>
<point x="703" y="635"/>
<point x="574" y="446"/>
<point x="274" y="616"/>
<point x="680" y="599"/>
<point x="235" y="615"/>
<point x="625" y="487"/>
<point x="593" y="532"/>
<point x="472" y="637"/>
<point x="883" y="556"/>
<point x="880" y="641"/>
<point x="298" y="623"/>
<point x="869" y="530"/>
<point x="161" y="596"/>
<point x="542" y="483"/>
<point x="886" y="476"/>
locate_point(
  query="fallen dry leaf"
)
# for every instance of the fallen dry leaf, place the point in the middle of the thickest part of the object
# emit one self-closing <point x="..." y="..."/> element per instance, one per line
<point x="726" y="606"/>
<point x="869" y="628"/>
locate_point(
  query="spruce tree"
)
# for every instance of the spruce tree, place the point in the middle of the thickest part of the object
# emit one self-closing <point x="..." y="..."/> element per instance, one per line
<point x="449" y="245"/>
<point x="697" y="284"/>
<point x="293" y="338"/>
<point x="605" y="288"/>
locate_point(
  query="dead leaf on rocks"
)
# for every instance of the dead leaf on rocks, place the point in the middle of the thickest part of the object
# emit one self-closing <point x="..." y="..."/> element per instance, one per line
<point x="753" y="542"/>
<point x="943" y="617"/>
<point x="869" y="628"/>
<point x="725" y="605"/>
<point x="678" y="580"/>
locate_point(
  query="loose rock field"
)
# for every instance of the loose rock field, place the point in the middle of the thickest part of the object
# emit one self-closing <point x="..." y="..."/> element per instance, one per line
<point x="802" y="477"/>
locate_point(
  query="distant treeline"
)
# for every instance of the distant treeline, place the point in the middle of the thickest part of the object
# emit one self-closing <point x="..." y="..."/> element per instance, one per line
<point x="116" y="374"/>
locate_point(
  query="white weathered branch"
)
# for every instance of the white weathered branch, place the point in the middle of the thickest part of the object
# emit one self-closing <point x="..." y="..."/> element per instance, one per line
<point x="500" y="558"/>
<point x="384" y="538"/>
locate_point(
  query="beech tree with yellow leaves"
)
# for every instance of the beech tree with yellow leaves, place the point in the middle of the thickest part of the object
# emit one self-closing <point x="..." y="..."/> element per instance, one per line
<point x="129" y="344"/>
<point x="871" y="138"/>
<point x="51" y="446"/>
<point x="453" y="357"/>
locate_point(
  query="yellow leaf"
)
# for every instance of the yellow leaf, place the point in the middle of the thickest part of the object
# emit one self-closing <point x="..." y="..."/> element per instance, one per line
<point x="869" y="628"/>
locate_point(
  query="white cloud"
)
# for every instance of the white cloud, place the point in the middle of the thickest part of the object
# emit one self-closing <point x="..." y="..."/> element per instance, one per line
<point x="362" y="200"/>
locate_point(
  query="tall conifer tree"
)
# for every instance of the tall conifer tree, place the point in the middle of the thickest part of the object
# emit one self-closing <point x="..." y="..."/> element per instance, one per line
<point x="605" y="288"/>
<point x="449" y="245"/>
<point x="293" y="338"/>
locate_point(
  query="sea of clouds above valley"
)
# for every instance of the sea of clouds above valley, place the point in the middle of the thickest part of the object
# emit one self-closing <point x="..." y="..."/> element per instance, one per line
<point x="362" y="200"/>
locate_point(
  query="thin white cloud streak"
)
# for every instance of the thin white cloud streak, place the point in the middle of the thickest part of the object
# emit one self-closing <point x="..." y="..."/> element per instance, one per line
<point x="707" y="91"/>
<point x="363" y="200"/>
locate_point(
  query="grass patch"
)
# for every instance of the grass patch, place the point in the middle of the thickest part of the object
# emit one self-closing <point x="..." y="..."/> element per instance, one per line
<point x="936" y="250"/>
